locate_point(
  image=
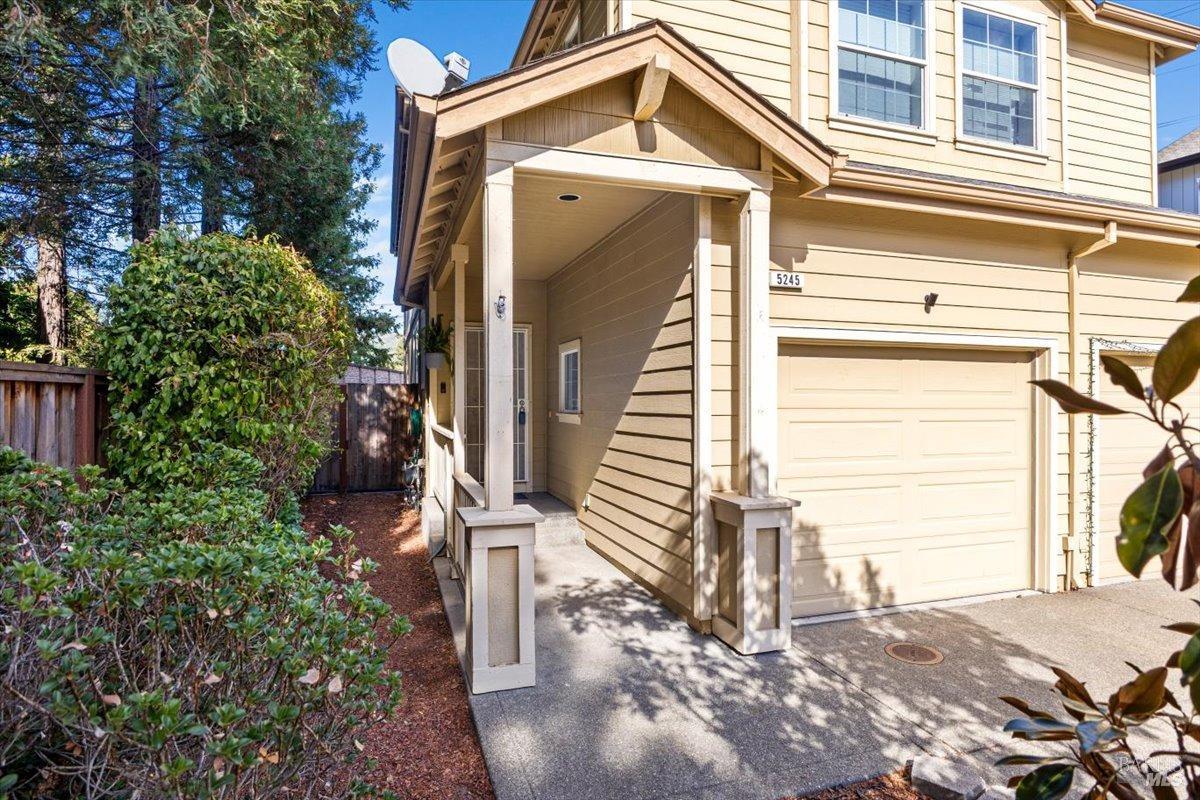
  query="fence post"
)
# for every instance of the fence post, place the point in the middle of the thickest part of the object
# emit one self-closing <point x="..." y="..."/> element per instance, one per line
<point x="85" y="422"/>
<point x="343" y="444"/>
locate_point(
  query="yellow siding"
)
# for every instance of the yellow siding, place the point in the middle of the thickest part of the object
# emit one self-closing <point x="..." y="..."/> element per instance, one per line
<point x="871" y="269"/>
<point x="627" y="465"/>
<point x="1108" y="99"/>
<point x="600" y="118"/>
<point x="1109" y="116"/>
<point x="748" y="37"/>
<point x="724" y="344"/>
<point x="943" y="155"/>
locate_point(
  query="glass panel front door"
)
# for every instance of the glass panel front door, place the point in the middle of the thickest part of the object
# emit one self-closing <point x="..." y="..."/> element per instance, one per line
<point x="475" y="423"/>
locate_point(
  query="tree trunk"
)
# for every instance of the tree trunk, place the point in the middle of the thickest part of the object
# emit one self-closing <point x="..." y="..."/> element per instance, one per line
<point x="52" y="296"/>
<point x="212" y="187"/>
<point x="146" y="188"/>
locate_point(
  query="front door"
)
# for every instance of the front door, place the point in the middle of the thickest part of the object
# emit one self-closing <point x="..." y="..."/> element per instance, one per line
<point x="475" y="437"/>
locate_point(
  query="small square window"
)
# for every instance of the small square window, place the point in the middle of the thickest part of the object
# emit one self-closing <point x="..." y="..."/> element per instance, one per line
<point x="568" y="377"/>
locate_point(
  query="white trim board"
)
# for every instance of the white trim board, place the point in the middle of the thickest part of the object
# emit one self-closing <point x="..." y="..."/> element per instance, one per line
<point x="887" y="611"/>
<point x="1045" y="418"/>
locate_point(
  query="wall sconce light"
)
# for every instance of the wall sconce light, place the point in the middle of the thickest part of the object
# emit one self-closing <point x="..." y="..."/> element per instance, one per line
<point x="930" y="301"/>
<point x="501" y="305"/>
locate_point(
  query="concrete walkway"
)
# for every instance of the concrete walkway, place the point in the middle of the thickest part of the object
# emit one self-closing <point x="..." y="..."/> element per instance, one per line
<point x="631" y="703"/>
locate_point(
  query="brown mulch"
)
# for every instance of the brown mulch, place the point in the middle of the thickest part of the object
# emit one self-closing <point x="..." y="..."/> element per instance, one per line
<point x="428" y="748"/>
<point x="893" y="786"/>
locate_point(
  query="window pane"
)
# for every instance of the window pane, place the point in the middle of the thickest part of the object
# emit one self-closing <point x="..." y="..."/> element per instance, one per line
<point x="893" y="26"/>
<point x="570" y="378"/>
<point x="998" y="112"/>
<point x="974" y="25"/>
<point x="999" y="47"/>
<point x="879" y="88"/>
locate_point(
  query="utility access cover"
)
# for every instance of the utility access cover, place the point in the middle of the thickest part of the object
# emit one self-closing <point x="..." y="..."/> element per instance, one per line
<point x="910" y="653"/>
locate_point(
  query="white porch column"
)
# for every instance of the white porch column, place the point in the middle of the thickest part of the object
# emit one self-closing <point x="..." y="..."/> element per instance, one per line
<point x="497" y="332"/>
<point x="458" y="258"/>
<point x="498" y="537"/>
<point x="756" y="367"/>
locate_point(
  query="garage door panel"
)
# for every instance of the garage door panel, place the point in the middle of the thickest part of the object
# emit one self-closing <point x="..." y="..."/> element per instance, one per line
<point x="918" y="494"/>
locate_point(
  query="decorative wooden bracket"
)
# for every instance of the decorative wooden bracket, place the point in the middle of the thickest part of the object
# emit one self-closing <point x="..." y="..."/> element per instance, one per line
<point x="650" y="87"/>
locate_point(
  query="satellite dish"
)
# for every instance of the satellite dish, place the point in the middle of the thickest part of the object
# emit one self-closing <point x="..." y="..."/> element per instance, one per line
<point x="416" y="70"/>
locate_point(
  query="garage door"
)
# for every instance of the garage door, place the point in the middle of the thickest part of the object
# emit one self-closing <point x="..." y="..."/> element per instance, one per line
<point x="913" y="468"/>
<point x="1124" y="445"/>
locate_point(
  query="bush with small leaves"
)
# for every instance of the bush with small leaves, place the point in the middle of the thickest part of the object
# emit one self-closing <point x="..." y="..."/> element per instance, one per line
<point x="181" y="643"/>
<point x="222" y="339"/>
<point x="1160" y="519"/>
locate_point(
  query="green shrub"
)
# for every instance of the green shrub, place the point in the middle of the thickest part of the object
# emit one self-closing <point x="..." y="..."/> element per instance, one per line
<point x="227" y="340"/>
<point x="180" y="644"/>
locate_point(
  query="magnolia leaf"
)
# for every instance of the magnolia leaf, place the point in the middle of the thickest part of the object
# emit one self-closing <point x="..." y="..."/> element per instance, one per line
<point x="1142" y="696"/>
<point x="1192" y="293"/>
<point x="1040" y="729"/>
<point x="1161" y="460"/>
<point x="1146" y="517"/>
<point x="1123" y="375"/>
<point x="1024" y="760"/>
<point x="1177" y="363"/>
<point x="1049" y="782"/>
<point x="1069" y="686"/>
<point x="1096" y="733"/>
<point x="1072" y="401"/>
<point x="310" y="677"/>
<point x="1189" y="659"/>
<point x="1183" y="627"/>
<point x="1025" y="708"/>
<point x="335" y="685"/>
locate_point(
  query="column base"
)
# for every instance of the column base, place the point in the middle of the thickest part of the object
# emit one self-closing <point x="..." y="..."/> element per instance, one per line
<point x="754" y="572"/>
<point x="498" y="585"/>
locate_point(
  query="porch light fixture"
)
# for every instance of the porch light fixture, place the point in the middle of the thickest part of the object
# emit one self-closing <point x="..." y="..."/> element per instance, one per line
<point x="568" y="197"/>
<point x="501" y="304"/>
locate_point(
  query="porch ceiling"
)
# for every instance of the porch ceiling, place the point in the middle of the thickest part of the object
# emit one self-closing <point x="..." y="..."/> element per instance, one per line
<point x="549" y="233"/>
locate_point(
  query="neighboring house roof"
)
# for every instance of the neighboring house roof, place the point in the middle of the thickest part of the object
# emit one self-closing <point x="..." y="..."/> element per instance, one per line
<point x="1183" y="152"/>
<point x="442" y="134"/>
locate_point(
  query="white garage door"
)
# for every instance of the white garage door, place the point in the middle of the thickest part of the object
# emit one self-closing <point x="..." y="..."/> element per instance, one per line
<point x="1124" y="445"/>
<point x="913" y="467"/>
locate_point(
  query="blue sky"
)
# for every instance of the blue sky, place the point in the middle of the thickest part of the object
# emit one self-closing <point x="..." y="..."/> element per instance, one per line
<point x="486" y="32"/>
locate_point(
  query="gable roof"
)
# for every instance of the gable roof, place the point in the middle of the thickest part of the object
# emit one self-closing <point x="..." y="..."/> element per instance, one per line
<point x="442" y="148"/>
<point x="1182" y="152"/>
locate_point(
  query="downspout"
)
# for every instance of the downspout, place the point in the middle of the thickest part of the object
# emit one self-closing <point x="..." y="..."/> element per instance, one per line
<point x="1070" y="541"/>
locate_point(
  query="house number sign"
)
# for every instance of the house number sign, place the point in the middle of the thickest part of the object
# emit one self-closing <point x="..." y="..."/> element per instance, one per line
<point x="781" y="279"/>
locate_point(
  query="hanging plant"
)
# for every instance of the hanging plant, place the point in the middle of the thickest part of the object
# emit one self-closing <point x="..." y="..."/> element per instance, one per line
<point x="437" y="342"/>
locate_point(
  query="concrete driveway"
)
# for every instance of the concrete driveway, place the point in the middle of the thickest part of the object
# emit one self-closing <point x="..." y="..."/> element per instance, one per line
<point x="631" y="703"/>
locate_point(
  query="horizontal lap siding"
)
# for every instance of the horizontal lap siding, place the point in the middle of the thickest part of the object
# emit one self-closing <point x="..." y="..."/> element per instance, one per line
<point x="874" y="274"/>
<point x="629" y="300"/>
<point x="750" y="38"/>
<point x="943" y="156"/>
<point x="1109" y="115"/>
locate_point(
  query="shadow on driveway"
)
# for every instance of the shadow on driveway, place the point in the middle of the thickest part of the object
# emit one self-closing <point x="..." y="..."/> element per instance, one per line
<point x="632" y="703"/>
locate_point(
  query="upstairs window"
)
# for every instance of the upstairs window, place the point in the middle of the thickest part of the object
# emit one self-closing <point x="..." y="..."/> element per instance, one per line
<point x="1001" y="78"/>
<point x="883" y="61"/>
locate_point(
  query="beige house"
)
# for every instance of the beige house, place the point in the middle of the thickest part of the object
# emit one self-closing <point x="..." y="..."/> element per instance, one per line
<point x="757" y="288"/>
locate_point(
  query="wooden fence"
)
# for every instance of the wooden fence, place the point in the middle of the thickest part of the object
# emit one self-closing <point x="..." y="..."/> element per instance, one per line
<point x="55" y="414"/>
<point x="58" y="415"/>
<point x="373" y="438"/>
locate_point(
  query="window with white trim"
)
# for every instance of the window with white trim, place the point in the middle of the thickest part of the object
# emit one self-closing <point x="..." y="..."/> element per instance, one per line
<point x="1001" y="78"/>
<point x="882" y="59"/>
<point x="568" y="377"/>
